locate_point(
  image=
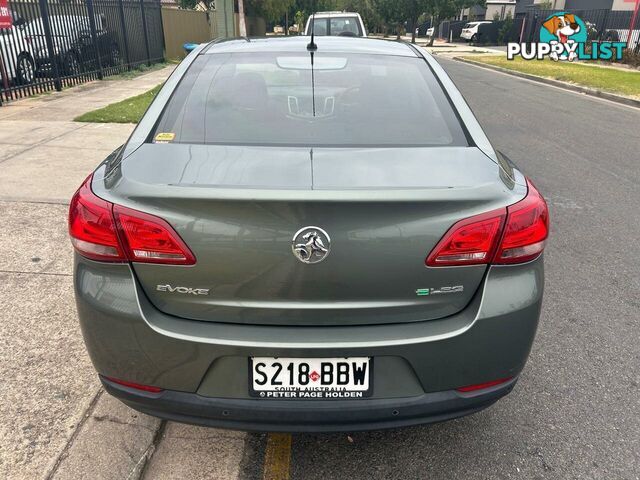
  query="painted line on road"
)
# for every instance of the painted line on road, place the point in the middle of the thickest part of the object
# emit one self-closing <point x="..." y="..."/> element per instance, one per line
<point x="277" y="457"/>
<point x="507" y="73"/>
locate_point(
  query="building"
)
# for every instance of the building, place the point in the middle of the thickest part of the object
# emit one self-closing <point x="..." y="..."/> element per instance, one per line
<point x="500" y="9"/>
<point x="615" y="5"/>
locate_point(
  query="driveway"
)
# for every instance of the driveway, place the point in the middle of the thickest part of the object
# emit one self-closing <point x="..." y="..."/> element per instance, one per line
<point x="574" y="414"/>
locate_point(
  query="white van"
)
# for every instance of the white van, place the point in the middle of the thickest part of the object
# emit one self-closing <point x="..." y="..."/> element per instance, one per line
<point x="337" y="24"/>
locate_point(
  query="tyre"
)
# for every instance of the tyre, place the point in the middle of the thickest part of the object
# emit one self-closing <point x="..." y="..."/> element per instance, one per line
<point x="474" y="39"/>
<point x="72" y="64"/>
<point x="25" y="69"/>
<point x="115" y="59"/>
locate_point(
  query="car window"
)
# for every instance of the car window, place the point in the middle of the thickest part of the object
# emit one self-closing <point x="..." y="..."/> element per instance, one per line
<point x="269" y="99"/>
<point x="468" y="25"/>
<point x="344" y="25"/>
<point x="321" y="26"/>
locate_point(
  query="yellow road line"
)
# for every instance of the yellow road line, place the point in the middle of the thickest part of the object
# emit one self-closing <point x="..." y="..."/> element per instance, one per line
<point x="277" y="457"/>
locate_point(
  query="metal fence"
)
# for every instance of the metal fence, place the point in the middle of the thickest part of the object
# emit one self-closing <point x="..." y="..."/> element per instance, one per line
<point x="52" y="44"/>
<point x="602" y="25"/>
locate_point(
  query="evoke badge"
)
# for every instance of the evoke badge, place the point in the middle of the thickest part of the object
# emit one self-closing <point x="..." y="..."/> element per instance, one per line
<point x="183" y="290"/>
<point x="311" y="245"/>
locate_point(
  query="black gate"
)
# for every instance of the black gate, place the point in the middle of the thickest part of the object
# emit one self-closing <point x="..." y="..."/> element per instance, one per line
<point x="52" y="44"/>
<point x="601" y="24"/>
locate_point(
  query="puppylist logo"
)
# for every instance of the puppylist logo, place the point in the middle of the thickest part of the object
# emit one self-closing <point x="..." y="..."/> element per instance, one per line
<point x="563" y="36"/>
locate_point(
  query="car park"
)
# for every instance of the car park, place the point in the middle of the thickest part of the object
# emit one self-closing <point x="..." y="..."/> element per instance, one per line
<point x="344" y="24"/>
<point x="288" y="242"/>
<point x="470" y="31"/>
<point x="16" y="54"/>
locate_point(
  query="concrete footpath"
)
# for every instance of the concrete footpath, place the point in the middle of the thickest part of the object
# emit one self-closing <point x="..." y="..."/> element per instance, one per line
<point x="55" y="419"/>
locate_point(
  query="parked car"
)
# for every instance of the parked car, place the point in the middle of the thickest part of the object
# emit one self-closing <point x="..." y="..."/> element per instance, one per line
<point x="17" y="54"/>
<point x="470" y="31"/>
<point x="290" y="242"/>
<point x="430" y="32"/>
<point x="74" y="48"/>
<point x="278" y="29"/>
<point x="422" y="29"/>
<point x="342" y="24"/>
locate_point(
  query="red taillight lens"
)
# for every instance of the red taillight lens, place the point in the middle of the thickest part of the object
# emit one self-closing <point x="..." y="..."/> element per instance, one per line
<point x="526" y="230"/>
<point x="91" y="226"/>
<point x="480" y="239"/>
<point x="102" y="231"/>
<point x="471" y="241"/>
<point x="150" y="239"/>
<point x="482" y="386"/>
<point x="137" y="386"/>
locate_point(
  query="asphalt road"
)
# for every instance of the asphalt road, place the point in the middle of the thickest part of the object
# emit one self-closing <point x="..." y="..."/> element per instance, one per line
<point x="576" y="410"/>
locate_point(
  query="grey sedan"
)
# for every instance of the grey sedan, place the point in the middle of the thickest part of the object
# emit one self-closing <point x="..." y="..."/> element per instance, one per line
<point x="308" y="236"/>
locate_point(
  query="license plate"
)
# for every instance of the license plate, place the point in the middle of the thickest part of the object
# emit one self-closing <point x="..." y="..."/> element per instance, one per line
<point x="310" y="378"/>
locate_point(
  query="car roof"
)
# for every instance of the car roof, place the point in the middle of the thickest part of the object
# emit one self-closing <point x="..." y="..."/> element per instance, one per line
<point x="335" y="14"/>
<point x="371" y="46"/>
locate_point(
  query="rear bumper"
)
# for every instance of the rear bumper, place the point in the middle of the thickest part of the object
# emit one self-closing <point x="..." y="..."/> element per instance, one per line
<point x="309" y="416"/>
<point x="202" y="366"/>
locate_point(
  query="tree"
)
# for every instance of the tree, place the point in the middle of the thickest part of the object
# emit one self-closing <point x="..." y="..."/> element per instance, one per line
<point x="440" y="10"/>
<point x="271" y="10"/>
<point x="242" y="21"/>
<point x="191" y="4"/>
<point x="392" y="12"/>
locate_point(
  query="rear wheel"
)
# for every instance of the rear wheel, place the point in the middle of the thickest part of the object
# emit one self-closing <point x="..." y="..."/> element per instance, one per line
<point x="25" y="69"/>
<point x="72" y="64"/>
<point x="114" y="56"/>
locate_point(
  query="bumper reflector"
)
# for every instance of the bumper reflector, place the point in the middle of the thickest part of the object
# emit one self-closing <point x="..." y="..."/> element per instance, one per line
<point x="137" y="386"/>
<point x="482" y="386"/>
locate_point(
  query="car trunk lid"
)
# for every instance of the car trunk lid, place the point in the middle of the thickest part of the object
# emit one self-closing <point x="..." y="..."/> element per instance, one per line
<point x="239" y="208"/>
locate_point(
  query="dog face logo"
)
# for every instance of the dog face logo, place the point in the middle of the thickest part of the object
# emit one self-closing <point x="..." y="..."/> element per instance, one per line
<point x="563" y="28"/>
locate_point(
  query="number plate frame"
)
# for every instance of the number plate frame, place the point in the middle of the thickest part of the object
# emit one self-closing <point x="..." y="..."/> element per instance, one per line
<point x="262" y="394"/>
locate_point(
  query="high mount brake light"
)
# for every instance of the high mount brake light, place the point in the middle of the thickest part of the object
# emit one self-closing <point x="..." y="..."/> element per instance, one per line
<point x="516" y="234"/>
<point x="106" y="232"/>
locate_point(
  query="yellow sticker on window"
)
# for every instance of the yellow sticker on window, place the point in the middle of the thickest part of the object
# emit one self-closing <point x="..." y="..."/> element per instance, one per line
<point x="165" y="137"/>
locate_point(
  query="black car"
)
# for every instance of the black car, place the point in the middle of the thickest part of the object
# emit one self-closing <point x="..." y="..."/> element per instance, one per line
<point x="421" y="30"/>
<point x="74" y="48"/>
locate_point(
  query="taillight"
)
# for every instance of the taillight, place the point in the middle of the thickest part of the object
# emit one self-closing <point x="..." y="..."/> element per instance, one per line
<point x="91" y="226"/>
<point x="489" y="238"/>
<point x="471" y="241"/>
<point x="150" y="239"/>
<point x="526" y="231"/>
<point x="106" y="232"/>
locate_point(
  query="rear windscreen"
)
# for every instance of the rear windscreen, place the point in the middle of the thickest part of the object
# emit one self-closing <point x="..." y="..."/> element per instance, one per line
<point x="281" y="99"/>
<point x="337" y="27"/>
